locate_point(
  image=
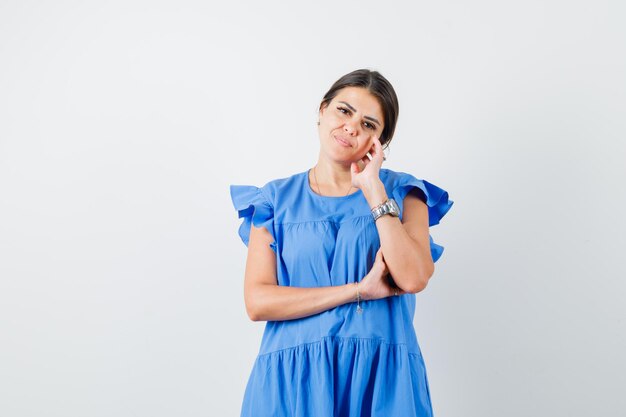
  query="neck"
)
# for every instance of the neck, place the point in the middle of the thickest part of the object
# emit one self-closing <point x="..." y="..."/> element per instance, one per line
<point x="332" y="178"/>
<point x="333" y="175"/>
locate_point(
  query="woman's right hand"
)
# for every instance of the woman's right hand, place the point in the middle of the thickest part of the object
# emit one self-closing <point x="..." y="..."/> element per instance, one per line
<point x="375" y="284"/>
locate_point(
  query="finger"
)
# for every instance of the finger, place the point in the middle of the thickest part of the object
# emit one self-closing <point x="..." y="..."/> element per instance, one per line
<point x="373" y="148"/>
<point x="375" y="156"/>
<point x="378" y="149"/>
<point x="382" y="151"/>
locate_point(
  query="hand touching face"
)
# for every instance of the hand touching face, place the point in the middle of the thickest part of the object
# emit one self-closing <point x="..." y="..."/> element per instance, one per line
<point x="366" y="171"/>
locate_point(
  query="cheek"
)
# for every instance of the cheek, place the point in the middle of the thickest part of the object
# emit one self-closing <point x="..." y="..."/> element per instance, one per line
<point x="365" y="149"/>
<point x="334" y="119"/>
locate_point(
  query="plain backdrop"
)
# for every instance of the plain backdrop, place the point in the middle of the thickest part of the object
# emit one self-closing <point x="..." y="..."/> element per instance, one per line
<point x="123" y="123"/>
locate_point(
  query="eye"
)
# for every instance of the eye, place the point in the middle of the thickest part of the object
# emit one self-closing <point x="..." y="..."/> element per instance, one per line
<point x="346" y="111"/>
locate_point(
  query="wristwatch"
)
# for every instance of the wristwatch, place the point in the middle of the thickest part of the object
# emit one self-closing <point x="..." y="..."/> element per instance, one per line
<point x="388" y="207"/>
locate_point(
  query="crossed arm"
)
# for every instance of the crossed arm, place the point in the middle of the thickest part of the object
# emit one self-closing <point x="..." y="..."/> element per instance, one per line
<point x="405" y="247"/>
<point x="406" y="244"/>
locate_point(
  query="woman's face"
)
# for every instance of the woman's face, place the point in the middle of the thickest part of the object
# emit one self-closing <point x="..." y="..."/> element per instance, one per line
<point x="349" y="123"/>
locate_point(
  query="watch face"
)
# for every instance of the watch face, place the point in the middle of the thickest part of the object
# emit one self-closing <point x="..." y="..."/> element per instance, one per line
<point x="393" y="208"/>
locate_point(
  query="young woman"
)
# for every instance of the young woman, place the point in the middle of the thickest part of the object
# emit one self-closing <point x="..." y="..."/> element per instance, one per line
<point x="336" y="254"/>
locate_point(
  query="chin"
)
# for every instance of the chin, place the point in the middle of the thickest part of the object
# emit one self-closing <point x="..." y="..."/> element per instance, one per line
<point x="340" y="159"/>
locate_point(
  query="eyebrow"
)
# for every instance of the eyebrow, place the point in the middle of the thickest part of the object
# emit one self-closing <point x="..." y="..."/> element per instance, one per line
<point x="365" y="117"/>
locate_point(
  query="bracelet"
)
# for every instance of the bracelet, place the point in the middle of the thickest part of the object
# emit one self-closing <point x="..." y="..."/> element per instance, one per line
<point x="358" y="300"/>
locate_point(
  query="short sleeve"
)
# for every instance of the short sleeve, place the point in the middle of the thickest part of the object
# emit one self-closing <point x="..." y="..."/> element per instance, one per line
<point x="436" y="199"/>
<point x="251" y="204"/>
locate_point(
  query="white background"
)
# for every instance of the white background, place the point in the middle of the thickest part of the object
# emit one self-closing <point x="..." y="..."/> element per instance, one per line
<point x="122" y="125"/>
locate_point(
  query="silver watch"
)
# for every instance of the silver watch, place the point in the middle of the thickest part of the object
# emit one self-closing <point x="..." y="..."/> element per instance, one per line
<point x="388" y="207"/>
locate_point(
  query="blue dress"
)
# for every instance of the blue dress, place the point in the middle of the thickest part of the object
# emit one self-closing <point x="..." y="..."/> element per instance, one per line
<point x="337" y="362"/>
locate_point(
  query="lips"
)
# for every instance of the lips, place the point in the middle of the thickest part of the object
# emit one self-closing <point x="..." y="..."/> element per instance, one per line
<point x="342" y="141"/>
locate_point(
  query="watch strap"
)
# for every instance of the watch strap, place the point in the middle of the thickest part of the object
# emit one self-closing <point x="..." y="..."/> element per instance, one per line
<point x="387" y="207"/>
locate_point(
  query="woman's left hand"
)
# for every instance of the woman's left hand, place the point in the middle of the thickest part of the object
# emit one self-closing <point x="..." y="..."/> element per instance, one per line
<point x="370" y="173"/>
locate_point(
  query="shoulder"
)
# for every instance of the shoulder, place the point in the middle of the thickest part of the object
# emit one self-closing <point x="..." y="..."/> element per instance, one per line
<point x="280" y="187"/>
<point x="435" y="197"/>
<point x="399" y="184"/>
<point x="393" y="178"/>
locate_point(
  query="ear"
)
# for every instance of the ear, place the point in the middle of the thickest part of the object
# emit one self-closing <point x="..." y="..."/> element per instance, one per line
<point x="323" y="108"/>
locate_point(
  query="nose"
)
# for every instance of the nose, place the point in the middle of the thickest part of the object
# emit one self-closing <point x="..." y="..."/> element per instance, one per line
<point x="349" y="127"/>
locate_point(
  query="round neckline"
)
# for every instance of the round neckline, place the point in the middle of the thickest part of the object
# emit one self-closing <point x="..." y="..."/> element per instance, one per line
<point x="331" y="197"/>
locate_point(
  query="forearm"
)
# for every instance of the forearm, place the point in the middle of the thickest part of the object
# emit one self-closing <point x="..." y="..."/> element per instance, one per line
<point x="265" y="302"/>
<point x="408" y="262"/>
<point x="405" y="259"/>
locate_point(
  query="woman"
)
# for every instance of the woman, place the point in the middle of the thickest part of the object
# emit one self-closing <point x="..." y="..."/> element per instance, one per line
<point x="335" y="256"/>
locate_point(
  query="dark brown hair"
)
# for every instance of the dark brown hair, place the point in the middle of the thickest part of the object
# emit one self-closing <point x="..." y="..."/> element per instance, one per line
<point x="380" y="88"/>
